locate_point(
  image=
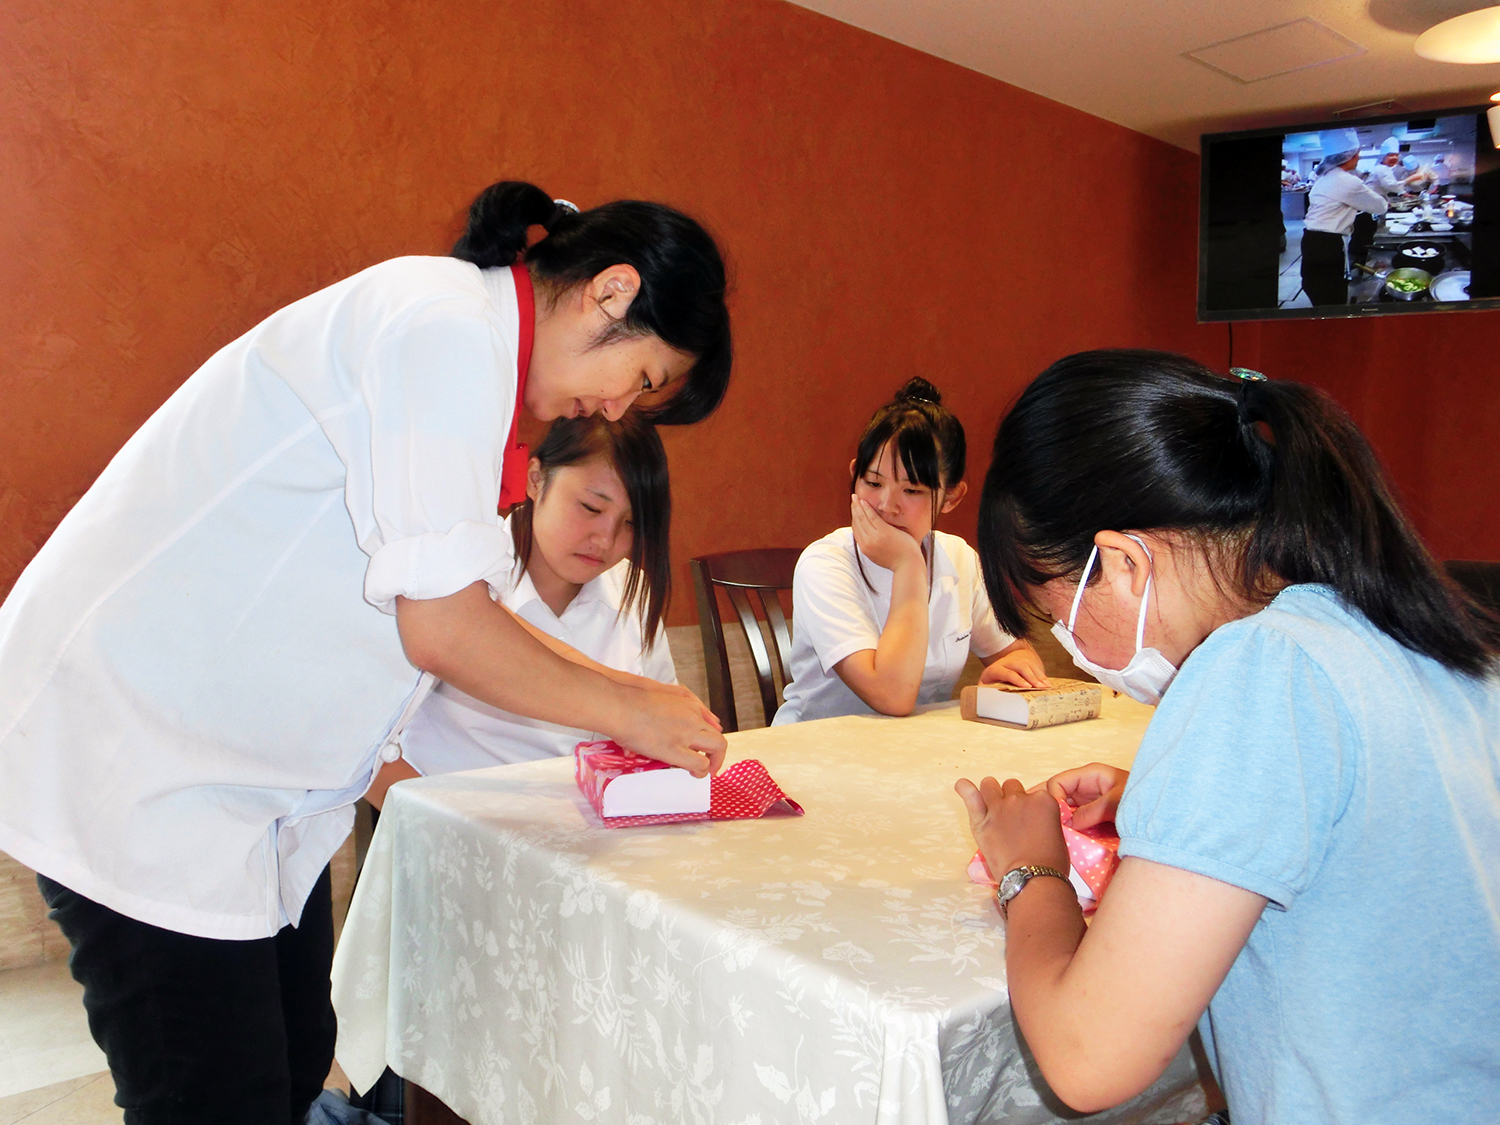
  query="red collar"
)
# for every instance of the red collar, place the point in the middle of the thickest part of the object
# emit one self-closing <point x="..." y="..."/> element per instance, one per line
<point x="516" y="455"/>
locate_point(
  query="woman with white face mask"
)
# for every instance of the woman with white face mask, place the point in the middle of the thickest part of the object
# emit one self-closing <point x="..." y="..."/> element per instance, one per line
<point x="1310" y="828"/>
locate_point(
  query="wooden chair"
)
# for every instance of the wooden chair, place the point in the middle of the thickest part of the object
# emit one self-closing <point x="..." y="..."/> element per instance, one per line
<point x="740" y="574"/>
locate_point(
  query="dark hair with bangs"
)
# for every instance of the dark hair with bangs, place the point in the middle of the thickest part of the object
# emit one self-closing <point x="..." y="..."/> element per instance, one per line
<point x="1272" y="475"/>
<point x="928" y="440"/>
<point x="683" y="285"/>
<point x="633" y="447"/>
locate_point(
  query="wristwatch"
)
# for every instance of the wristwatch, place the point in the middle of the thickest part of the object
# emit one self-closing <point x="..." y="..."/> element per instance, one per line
<point x="1016" y="878"/>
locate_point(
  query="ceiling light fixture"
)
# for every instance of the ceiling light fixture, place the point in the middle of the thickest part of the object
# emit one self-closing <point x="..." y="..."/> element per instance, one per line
<point x="1473" y="37"/>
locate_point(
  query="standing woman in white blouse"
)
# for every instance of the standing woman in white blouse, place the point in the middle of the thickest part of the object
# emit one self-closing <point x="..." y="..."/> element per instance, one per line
<point x="887" y="610"/>
<point x="215" y="652"/>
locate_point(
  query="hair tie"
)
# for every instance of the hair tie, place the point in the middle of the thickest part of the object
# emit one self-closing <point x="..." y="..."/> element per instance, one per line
<point x="572" y="208"/>
<point x="1245" y="376"/>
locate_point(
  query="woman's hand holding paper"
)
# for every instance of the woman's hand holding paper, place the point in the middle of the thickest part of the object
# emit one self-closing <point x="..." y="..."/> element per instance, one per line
<point x="1093" y="790"/>
<point x="673" y="728"/>
<point x="1013" y="827"/>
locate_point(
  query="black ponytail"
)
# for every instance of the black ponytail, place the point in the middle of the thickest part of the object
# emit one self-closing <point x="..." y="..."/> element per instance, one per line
<point x="683" y="283"/>
<point x="634" y="449"/>
<point x="1274" y="471"/>
<point x="498" y="222"/>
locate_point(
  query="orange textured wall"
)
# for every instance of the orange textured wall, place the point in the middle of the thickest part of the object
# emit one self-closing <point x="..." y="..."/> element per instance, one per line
<point x="176" y="171"/>
<point x="1423" y="389"/>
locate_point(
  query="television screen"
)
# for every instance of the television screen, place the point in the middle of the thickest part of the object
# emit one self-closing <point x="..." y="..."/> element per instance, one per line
<point x="1351" y="218"/>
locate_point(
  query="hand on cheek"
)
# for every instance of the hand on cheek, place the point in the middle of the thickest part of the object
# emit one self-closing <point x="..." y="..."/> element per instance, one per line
<point x="882" y="544"/>
<point x="1013" y="827"/>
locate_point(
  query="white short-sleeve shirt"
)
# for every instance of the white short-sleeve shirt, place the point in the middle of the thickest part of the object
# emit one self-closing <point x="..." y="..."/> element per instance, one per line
<point x="200" y="669"/>
<point x="453" y="731"/>
<point x="835" y="614"/>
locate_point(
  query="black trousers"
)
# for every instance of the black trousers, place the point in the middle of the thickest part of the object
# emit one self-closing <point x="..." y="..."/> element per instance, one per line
<point x="1360" y="238"/>
<point x="1323" y="268"/>
<point x="196" y="1029"/>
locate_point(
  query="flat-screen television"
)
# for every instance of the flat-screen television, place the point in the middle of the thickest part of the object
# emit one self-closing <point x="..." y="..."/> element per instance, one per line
<point x="1348" y="218"/>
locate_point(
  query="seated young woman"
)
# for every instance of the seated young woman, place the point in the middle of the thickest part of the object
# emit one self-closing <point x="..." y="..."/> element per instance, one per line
<point x="590" y="566"/>
<point x="1311" y="827"/>
<point x="887" y="610"/>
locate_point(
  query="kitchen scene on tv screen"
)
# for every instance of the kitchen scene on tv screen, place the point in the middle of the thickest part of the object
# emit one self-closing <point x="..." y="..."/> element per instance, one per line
<point x="1379" y="213"/>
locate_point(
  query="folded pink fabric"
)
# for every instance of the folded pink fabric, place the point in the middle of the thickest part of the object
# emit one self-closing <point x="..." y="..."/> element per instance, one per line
<point x="742" y="792"/>
<point x="1094" y="853"/>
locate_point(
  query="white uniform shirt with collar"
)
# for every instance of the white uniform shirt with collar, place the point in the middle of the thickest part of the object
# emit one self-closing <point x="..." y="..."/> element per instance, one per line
<point x="453" y="731"/>
<point x="1336" y="197"/>
<point x="200" y="670"/>
<point x="835" y="614"/>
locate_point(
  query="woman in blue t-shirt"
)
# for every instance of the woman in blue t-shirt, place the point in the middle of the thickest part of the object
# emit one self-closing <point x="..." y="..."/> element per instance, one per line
<point x="1312" y="826"/>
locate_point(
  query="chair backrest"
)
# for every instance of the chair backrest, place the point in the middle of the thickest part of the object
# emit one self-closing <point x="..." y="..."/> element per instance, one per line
<point x="742" y="574"/>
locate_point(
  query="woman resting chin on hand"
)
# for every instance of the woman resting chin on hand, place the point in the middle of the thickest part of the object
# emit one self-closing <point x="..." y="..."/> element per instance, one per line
<point x="1331" y="751"/>
<point x="888" y="609"/>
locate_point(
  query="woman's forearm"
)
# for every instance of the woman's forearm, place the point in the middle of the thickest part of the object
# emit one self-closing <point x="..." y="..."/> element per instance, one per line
<point x="484" y="650"/>
<point x="888" y="677"/>
<point x="1043" y="930"/>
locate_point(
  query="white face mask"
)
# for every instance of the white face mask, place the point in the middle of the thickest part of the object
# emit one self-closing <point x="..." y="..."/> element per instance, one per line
<point x="1147" y="675"/>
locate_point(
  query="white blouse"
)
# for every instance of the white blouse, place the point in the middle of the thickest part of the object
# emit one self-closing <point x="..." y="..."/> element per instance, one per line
<point x="836" y="614"/>
<point x="200" y="671"/>
<point x="453" y="731"/>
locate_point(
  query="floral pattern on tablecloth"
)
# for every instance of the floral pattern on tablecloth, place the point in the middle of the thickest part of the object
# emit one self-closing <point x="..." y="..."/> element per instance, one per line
<point x="528" y="966"/>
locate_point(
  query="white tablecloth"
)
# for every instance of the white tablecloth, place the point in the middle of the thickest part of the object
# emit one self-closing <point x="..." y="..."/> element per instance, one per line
<point x="526" y="965"/>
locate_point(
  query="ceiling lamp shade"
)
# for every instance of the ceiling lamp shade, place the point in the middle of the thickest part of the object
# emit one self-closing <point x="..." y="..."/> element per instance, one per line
<point x="1473" y="37"/>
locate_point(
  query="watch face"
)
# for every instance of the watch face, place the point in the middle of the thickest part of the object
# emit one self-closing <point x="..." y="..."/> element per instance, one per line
<point x="1011" y="884"/>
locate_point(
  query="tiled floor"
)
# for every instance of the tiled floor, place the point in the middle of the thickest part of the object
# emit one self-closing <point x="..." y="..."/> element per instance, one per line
<point x="89" y="1100"/>
<point x="51" y="1073"/>
<point x="44" y="1037"/>
<point x="1289" y="293"/>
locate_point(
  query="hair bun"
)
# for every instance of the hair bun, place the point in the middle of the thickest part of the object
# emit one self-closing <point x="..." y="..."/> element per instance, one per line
<point x="918" y="389"/>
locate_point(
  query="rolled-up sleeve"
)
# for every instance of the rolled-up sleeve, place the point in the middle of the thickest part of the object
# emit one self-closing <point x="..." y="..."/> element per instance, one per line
<point x="440" y="388"/>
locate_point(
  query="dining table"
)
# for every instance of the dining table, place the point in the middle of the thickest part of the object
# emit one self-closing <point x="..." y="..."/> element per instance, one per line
<point x="524" y="963"/>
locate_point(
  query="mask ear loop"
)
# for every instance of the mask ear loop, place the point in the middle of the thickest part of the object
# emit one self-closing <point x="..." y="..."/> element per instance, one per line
<point x="1082" y="582"/>
<point x="1140" y="622"/>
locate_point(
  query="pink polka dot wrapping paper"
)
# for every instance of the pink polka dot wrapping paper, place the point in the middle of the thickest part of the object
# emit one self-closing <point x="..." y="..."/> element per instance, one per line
<point x="1094" y="853"/>
<point x="744" y="791"/>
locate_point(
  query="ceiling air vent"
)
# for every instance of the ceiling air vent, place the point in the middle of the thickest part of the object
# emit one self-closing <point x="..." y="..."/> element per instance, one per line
<point x="1282" y="49"/>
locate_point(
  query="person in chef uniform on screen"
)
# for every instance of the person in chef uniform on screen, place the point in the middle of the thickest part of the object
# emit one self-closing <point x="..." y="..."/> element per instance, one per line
<point x="1389" y="177"/>
<point x="1335" y="198"/>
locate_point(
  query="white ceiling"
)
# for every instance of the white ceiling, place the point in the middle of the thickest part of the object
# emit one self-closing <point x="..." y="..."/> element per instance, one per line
<point x="1124" y="60"/>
